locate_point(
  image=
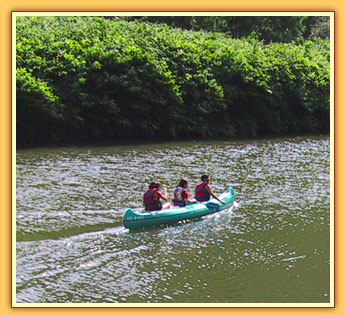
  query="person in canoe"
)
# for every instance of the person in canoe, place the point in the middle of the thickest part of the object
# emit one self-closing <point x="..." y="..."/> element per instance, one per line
<point x="181" y="194"/>
<point x="152" y="197"/>
<point x="203" y="190"/>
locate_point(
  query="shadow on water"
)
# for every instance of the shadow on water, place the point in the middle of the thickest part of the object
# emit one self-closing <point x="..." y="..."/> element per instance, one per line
<point x="157" y="228"/>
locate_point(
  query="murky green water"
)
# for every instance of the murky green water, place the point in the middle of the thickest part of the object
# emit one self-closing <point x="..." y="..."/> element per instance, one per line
<point x="273" y="248"/>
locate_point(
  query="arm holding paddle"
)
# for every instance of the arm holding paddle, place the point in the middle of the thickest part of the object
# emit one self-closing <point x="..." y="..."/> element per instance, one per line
<point x="209" y="190"/>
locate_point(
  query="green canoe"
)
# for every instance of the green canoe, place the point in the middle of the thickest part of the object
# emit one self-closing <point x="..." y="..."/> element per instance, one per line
<point x="133" y="220"/>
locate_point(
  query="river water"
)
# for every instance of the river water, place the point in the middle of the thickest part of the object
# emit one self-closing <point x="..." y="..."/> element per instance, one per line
<point x="273" y="247"/>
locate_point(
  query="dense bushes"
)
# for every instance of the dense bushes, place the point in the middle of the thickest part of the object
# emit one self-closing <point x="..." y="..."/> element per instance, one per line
<point x="88" y="78"/>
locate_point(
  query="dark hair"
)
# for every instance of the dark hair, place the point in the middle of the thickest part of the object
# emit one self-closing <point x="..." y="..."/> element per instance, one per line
<point x="183" y="182"/>
<point x="204" y="177"/>
<point x="154" y="184"/>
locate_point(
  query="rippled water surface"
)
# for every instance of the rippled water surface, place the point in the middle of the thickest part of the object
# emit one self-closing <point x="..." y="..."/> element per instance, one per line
<point x="274" y="247"/>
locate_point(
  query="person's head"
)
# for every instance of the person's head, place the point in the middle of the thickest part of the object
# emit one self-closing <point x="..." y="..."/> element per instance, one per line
<point x="205" y="178"/>
<point x="154" y="184"/>
<point x="183" y="183"/>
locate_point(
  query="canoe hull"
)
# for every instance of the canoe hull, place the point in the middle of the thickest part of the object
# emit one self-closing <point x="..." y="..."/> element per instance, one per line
<point x="135" y="220"/>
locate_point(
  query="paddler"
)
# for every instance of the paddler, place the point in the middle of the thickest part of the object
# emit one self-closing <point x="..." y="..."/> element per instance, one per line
<point x="203" y="190"/>
<point x="152" y="197"/>
<point x="181" y="194"/>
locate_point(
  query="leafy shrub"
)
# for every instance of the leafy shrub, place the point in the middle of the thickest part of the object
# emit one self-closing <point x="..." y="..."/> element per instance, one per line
<point x="90" y="78"/>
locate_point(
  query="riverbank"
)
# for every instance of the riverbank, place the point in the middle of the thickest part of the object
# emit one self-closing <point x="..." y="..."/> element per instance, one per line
<point x="158" y="141"/>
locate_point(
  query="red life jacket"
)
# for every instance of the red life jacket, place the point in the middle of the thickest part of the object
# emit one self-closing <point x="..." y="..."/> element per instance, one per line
<point x="150" y="202"/>
<point x="201" y="194"/>
<point x="178" y="198"/>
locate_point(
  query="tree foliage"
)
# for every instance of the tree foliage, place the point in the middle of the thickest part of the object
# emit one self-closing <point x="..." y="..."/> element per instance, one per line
<point x="283" y="29"/>
<point x="90" y="78"/>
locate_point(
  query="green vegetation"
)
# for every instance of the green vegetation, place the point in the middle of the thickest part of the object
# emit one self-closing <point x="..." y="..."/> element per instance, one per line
<point x="266" y="28"/>
<point x="90" y="78"/>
